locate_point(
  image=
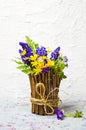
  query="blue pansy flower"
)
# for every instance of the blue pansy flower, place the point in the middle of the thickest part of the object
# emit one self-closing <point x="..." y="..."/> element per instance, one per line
<point x="55" y="54"/>
<point x="45" y="70"/>
<point x="23" y="58"/>
<point x="28" y="52"/>
<point x="41" y="51"/>
<point x="27" y="48"/>
<point x="23" y="45"/>
<point x="60" y="114"/>
<point x="57" y="50"/>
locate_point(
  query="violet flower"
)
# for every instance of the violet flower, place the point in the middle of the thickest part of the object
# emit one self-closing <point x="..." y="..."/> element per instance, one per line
<point x="45" y="70"/>
<point x="55" y="54"/>
<point x="60" y="114"/>
<point x="28" y="53"/>
<point x="41" y="51"/>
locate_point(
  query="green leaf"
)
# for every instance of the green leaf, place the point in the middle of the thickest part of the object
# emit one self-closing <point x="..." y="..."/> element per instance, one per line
<point x="76" y="114"/>
<point x="59" y="67"/>
<point x="61" y="75"/>
<point x="31" y="43"/>
<point x="25" y="71"/>
<point x="22" y="67"/>
<point x="64" y="76"/>
<point x="28" y="71"/>
<point x="18" y="62"/>
<point x="36" y="45"/>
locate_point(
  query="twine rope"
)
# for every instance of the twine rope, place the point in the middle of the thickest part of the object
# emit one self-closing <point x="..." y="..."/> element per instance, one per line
<point x="44" y="100"/>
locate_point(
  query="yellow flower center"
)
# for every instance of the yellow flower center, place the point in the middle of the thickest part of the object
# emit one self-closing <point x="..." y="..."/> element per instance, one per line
<point x="34" y="57"/>
<point x="23" y="53"/>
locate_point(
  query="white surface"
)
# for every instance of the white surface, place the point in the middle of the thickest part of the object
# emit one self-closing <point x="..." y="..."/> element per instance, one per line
<point x="51" y="23"/>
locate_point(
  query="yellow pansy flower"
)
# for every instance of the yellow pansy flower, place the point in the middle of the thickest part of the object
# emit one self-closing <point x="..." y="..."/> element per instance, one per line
<point x="23" y="53"/>
<point x="43" y="57"/>
<point x="34" y="57"/>
<point x="49" y="63"/>
<point x="34" y="63"/>
<point x="41" y="64"/>
<point x="37" y="70"/>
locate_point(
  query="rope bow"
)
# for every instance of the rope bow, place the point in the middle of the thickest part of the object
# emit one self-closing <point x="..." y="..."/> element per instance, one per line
<point x="45" y="100"/>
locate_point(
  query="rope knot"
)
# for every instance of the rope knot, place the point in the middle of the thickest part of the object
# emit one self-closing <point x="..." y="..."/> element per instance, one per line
<point x="44" y="100"/>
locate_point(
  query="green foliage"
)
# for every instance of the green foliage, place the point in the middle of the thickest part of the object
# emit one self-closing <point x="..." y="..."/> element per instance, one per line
<point x="62" y="75"/>
<point x="23" y="67"/>
<point x="32" y="44"/>
<point x="59" y="67"/>
<point x="18" y="62"/>
<point x="76" y="114"/>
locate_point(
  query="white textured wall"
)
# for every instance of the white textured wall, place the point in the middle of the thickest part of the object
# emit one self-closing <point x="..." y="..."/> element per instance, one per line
<point x="49" y="22"/>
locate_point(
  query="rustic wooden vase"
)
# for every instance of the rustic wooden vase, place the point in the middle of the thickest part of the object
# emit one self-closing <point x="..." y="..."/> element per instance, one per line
<point x="50" y="81"/>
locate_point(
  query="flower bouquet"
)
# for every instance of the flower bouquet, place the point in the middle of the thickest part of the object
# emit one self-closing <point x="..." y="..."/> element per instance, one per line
<point x="44" y="68"/>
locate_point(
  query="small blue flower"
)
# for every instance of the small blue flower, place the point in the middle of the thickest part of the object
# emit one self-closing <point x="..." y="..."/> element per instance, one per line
<point x="23" y="45"/>
<point x="45" y="70"/>
<point x="55" y="54"/>
<point x="60" y="114"/>
<point x="57" y="49"/>
<point x="65" y="59"/>
<point x="41" y="51"/>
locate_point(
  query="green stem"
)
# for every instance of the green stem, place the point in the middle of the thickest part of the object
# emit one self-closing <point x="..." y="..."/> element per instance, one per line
<point x="69" y="115"/>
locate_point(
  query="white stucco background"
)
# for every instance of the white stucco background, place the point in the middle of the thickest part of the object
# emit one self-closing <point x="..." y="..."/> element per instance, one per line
<point x="51" y="23"/>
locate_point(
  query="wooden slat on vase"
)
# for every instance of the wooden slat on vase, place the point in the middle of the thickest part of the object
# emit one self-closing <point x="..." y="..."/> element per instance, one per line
<point x="36" y="95"/>
<point x="49" y="87"/>
<point x="54" y="86"/>
<point x="32" y="91"/>
<point x="57" y="83"/>
<point x="41" y="107"/>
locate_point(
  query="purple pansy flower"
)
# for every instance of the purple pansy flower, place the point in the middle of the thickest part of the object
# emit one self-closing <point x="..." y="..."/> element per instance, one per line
<point x="55" y="54"/>
<point x="23" y="45"/>
<point x="44" y="70"/>
<point x="25" y="61"/>
<point x="41" y="51"/>
<point x="27" y="54"/>
<point x="23" y="58"/>
<point x="60" y="114"/>
<point x="27" y="48"/>
<point x="57" y="49"/>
